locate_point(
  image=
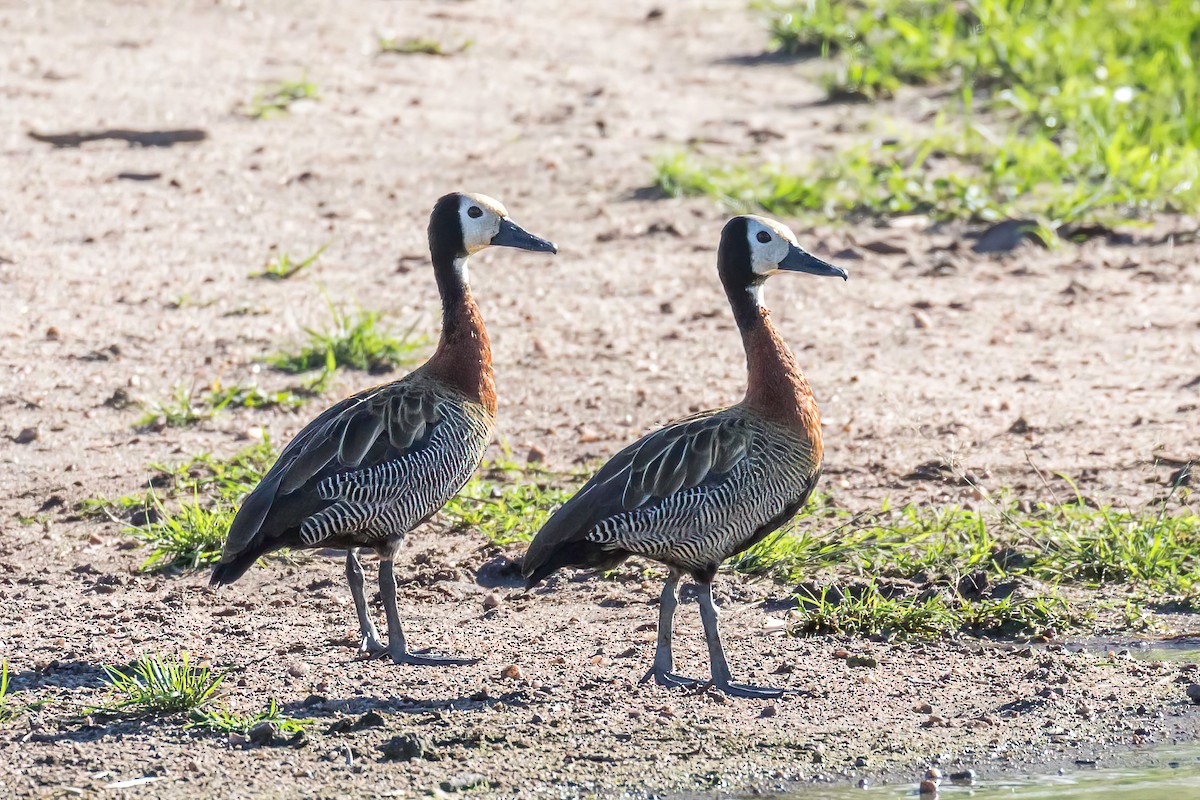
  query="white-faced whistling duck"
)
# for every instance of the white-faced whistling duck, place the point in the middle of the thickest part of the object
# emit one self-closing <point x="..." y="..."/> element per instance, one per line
<point x="377" y="464"/>
<point x="707" y="487"/>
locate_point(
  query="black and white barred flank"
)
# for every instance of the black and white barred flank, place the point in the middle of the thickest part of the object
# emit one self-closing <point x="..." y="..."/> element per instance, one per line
<point x="364" y="472"/>
<point x="709" y="522"/>
<point x="689" y="495"/>
<point x="392" y="498"/>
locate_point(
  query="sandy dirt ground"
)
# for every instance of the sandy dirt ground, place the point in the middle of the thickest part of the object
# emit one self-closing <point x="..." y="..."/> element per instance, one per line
<point x="115" y="285"/>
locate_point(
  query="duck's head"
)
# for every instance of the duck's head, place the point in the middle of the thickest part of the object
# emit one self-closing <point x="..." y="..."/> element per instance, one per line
<point x="463" y="224"/>
<point x="754" y="248"/>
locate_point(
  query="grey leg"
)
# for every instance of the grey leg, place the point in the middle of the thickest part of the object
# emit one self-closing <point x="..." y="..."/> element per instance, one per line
<point x="370" y="643"/>
<point x="397" y="647"/>
<point x="663" y="670"/>
<point x="721" y="678"/>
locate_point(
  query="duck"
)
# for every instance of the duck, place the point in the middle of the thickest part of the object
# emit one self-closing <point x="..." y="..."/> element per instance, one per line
<point x="706" y="487"/>
<point x="379" y="463"/>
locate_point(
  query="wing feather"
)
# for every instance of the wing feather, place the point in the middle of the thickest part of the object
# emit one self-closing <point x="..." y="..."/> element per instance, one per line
<point x="358" y="436"/>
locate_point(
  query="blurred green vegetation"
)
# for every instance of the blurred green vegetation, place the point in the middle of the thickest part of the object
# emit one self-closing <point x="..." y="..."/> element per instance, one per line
<point x="1060" y="111"/>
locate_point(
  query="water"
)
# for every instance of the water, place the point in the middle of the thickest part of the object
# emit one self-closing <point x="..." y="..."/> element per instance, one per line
<point x="1168" y="775"/>
<point x="1179" y="649"/>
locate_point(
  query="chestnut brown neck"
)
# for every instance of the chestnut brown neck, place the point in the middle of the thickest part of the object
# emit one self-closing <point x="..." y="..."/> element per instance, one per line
<point x="463" y="358"/>
<point x="776" y="388"/>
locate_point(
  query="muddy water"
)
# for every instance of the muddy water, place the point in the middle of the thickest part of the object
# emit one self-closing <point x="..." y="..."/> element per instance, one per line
<point x="1167" y="774"/>
<point x="1179" y="650"/>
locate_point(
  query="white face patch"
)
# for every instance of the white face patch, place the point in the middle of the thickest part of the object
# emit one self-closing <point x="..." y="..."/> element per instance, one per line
<point x="769" y="243"/>
<point x="479" y="216"/>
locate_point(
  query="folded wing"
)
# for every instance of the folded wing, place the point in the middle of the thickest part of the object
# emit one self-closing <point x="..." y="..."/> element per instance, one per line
<point x="696" y="451"/>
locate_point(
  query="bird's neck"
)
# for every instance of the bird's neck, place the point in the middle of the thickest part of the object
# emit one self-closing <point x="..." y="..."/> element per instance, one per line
<point x="463" y="358"/>
<point x="776" y="388"/>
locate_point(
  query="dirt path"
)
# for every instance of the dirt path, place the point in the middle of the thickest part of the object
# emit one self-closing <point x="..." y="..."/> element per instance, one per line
<point x="117" y="285"/>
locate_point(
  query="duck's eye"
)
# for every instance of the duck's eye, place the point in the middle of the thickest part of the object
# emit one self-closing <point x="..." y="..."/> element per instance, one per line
<point x="474" y="212"/>
<point x="764" y="237"/>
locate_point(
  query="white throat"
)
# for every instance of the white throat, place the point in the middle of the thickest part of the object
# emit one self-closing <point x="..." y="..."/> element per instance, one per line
<point x="460" y="269"/>
<point x="755" y="292"/>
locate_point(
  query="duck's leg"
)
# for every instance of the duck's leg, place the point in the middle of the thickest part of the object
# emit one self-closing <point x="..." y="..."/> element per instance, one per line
<point x="721" y="678"/>
<point x="663" y="669"/>
<point x="370" y="644"/>
<point x="397" y="648"/>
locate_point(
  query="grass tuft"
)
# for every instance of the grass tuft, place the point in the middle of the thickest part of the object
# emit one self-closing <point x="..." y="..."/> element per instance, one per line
<point x="189" y="537"/>
<point x="160" y="686"/>
<point x="7" y="712"/>
<point x="190" y="533"/>
<point x="277" y="98"/>
<point x="223" y="720"/>
<point x="187" y="406"/>
<point x="417" y="45"/>
<point x="355" y="340"/>
<point x="281" y="267"/>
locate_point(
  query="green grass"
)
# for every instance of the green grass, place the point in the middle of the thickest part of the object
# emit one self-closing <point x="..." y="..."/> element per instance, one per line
<point x="222" y="720"/>
<point x="508" y="502"/>
<point x="872" y="612"/>
<point x="281" y="266"/>
<point x="950" y="569"/>
<point x="356" y="340"/>
<point x="1074" y="543"/>
<point x="418" y="45"/>
<point x="7" y="711"/>
<point x="158" y="686"/>
<point x="275" y="99"/>
<point x="184" y="516"/>
<point x="187" y="406"/>
<point x="1062" y="112"/>
<point x="187" y="537"/>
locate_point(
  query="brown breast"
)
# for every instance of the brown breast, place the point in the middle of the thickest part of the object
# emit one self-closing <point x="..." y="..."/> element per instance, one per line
<point x="776" y="388"/>
<point x="463" y="359"/>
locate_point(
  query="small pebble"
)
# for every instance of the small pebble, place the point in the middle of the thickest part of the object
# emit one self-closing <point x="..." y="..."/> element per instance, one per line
<point x="512" y="672"/>
<point x="371" y="719"/>
<point x="492" y="600"/>
<point x="1193" y="692"/>
<point x="463" y="782"/>
<point x="408" y="747"/>
<point x="264" y="733"/>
